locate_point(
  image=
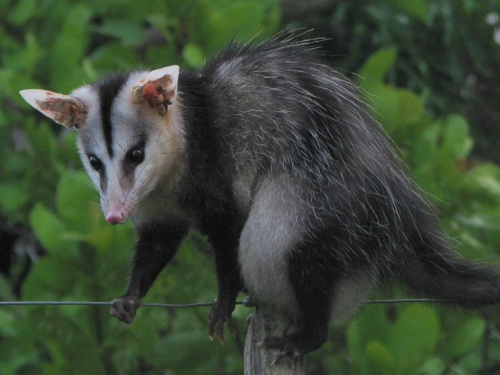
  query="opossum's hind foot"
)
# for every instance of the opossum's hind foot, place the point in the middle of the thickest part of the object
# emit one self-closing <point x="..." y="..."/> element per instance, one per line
<point x="287" y="349"/>
<point x="220" y="314"/>
<point x="124" y="308"/>
<point x="294" y="346"/>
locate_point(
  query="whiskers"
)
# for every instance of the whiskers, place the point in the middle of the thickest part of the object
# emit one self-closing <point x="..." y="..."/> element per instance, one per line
<point x="148" y="183"/>
<point x="95" y="194"/>
<point x="161" y="157"/>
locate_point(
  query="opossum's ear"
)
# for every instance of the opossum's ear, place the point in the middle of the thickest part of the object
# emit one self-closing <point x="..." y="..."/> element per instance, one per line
<point x="63" y="109"/>
<point x="157" y="88"/>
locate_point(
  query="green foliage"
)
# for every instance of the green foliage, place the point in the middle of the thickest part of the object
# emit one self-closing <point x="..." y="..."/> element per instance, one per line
<point x="447" y="49"/>
<point x="386" y="347"/>
<point x="411" y="340"/>
<point x="60" y="45"/>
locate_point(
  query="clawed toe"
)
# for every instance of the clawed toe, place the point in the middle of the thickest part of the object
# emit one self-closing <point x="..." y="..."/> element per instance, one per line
<point x="288" y="348"/>
<point x="219" y="315"/>
<point x="295" y="355"/>
<point x="124" y="308"/>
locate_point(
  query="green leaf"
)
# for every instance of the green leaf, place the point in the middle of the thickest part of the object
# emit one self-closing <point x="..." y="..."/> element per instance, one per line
<point x="413" y="337"/>
<point x="193" y="55"/>
<point x="355" y="348"/>
<point x="240" y="20"/>
<point x="43" y="141"/>
<point x="76" y="201"/>
<point x="433" y="366"/>
<point x="24" y="10"/>
<point x="31" y="53"/>
<point x="273" y="18"/>
<point x="486" y="219"/>
<point x="456" y="140"/>
<point x="7" y="319"/>
<point x="179" y="359"/>
<point x="89" y="69"/>
<point x="12" y="197"/>
<point x="6" y="293"/>
<point x="417" y="8"/>
<point x="70" y="45"/>
<point x="399" y="111"/>
<point x="470" y="364"/>
<point x="20" y="353"/>
<point x="370" y="325"/>
<point x="48" y="229"/>
<point x="485" y="179"/>
<point x="51" y="277"/>
<point x="410" y="109"/>
<point x="465" y="336"/>
<point x="381" y="360"/>
<point x="384" y="100"/>
<point x="129" y="33"/>
<point x="26" y="58"/>
<point x="114" y="56"/>
<point x="376" y="68"/>
<point x="101" y="237"/>
<point x="424" y="148"/>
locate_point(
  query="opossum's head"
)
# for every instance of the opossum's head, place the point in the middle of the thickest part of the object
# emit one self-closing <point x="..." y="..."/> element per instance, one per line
<point x="129" y="133"/>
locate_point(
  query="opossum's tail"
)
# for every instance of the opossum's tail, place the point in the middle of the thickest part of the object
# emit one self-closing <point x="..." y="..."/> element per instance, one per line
<point x="438" y="272"/>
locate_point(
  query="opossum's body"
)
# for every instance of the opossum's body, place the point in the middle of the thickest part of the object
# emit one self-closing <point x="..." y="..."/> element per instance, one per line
<point x="270" y="154"/>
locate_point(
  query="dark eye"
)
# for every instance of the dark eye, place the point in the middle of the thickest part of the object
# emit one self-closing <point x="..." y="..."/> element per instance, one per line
<point x="136" y="155"/>
<point x="95" y="162"/>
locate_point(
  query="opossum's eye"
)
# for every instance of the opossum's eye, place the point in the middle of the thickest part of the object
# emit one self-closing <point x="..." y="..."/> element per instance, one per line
<point x="136" y="155"/>
<point x="95" y="163"/>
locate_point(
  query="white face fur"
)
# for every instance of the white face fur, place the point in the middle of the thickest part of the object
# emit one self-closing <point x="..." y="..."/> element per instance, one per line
<point x="132" y="145"/>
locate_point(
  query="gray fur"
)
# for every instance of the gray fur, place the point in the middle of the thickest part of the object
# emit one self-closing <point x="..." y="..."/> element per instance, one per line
<point x="274" y="225"/>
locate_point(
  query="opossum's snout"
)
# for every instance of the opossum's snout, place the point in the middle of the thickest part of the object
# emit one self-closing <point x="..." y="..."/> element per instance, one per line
<point x="115" y="211"/>
<point x="116" y="217"/>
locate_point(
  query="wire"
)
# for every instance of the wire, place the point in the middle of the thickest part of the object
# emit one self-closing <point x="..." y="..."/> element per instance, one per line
<point x="247" y="303"/>
<point x="405" y="300"/>
<point x="96" y="303"/>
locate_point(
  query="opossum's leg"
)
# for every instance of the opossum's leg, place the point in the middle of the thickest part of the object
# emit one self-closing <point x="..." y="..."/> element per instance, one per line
<point x="314" y="299"/>
<point x="223" y="234"/>
<point x="156" y="246"/>
<point x="276" y="273"/>
<point x="327" y="285"/>
<point x="312" y="334"/>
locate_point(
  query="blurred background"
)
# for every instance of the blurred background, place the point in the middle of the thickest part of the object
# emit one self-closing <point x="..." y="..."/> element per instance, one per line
<point x="430" y="71"/>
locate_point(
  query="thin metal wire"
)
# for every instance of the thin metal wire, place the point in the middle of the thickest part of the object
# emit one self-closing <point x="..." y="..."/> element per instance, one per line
<point x="97" y="303"/>
<point x="405" y="300"/>
<point x="194" y="305"/>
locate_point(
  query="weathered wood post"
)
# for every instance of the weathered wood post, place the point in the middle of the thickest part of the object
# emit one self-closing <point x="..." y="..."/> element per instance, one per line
<point x="266" y="323"/>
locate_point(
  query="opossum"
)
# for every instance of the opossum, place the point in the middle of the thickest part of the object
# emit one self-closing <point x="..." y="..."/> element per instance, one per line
<point x="272" y="155"/>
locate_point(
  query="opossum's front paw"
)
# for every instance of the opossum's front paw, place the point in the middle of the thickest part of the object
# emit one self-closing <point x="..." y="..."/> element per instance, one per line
<point x="293" y="346"/>
<point x="124" y="308"/>
<point x="220" y="314"/>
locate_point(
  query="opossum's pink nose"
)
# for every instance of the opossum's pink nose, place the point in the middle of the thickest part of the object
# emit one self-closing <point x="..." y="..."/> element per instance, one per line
<point x="116" y="217"/>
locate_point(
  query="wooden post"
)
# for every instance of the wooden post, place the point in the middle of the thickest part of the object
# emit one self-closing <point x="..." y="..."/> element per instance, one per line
<point x="267" y="323"/>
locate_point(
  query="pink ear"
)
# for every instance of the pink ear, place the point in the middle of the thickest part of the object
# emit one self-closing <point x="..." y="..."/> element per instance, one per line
<point x="63" y="109"/>
<point x="152" y="94"/>
<point x="158" y="88"/>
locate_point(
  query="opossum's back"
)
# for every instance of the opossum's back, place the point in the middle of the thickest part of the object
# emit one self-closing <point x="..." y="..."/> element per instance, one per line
<point x="282" y="110"/>
<point x="277" y="103"/>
